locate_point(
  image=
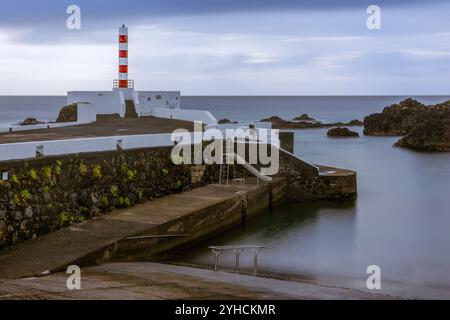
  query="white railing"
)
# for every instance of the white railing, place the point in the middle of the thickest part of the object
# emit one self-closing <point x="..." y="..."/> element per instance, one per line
<point x="16" y="127"/>
<point x="27" y="150"/>
<point x="188" y="115"/>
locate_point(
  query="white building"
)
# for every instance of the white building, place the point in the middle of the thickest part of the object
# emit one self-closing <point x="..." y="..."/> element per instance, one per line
<point x="126" y="102"/>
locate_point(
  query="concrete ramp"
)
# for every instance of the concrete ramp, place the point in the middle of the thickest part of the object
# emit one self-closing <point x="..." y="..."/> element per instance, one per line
<point x="140" y="233"/>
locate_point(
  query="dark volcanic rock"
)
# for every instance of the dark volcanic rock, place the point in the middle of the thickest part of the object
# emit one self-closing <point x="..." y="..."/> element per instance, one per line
<point x="355" y="122"/>
<point x="342" y="132"/>
<point x="68" y="114"/>
<point x="278" y="123"/>
<point x="30" y="121"/>
<point x="226" y="121"/>
<point x="424" y="127"/>
<point x="433" y="135"/>
<point x="304" y="117"/>
<point x="395" y="120"/>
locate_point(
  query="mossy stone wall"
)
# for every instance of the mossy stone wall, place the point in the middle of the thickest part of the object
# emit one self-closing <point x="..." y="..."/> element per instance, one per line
<point x="43" y="195"/>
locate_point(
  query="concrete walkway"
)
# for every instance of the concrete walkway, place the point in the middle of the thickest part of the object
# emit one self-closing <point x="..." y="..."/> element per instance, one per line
<point x="97" y="241"/>
<point x="145" y="280"/>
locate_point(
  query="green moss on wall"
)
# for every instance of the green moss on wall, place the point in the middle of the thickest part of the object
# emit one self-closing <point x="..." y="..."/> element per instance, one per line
<point x="46" y="194"/>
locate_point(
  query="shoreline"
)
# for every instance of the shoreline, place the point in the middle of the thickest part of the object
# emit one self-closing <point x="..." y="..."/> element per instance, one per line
<point x="394" y="289"/>
<point x="156" y="281"/>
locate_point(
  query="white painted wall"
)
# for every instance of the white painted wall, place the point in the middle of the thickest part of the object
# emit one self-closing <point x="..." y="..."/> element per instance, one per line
<point x="110" y="102"/>
<point x="86" y="113"/>
<point x="189" y="115"/>
<point x="27" y="150"/>
<point x="103" y="102"/>
<point x="37" y="126"/>
<point x="150" y="100"/>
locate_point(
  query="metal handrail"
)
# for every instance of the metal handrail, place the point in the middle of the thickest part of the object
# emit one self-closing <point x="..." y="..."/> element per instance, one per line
<point x="217" y="250"/>
<point x="116" y="84"/>
<point x="246" y="165"/>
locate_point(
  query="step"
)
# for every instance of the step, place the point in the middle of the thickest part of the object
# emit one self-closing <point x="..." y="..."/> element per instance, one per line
<point x="130" y="111"/>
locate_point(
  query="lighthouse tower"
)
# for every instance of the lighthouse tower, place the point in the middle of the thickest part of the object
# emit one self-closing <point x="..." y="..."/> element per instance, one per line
<point x="124" y="101"/>
<point x="123" y="82"/>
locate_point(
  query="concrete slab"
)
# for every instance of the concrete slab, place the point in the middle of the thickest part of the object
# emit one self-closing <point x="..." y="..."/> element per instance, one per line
<point x="154" y="281"/>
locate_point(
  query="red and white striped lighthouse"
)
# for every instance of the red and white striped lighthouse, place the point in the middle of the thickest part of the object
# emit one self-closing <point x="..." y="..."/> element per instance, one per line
<point x="123" y="57"/>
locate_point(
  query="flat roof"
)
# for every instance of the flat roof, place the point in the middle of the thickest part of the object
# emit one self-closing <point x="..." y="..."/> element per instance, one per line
<point x="101" y="128"/>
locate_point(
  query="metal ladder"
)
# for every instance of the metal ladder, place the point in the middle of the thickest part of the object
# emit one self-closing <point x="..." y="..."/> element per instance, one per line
<point x="225" y="170"/>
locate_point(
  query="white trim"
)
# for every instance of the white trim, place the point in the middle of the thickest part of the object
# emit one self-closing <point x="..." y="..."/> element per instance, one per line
<point x="27" y="150"/>
<point x="181" y="114"/>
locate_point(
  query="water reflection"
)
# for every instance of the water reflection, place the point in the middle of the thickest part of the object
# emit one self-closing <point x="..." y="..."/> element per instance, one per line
<point x="400" y="220"/>
<point x="295" y="235"/>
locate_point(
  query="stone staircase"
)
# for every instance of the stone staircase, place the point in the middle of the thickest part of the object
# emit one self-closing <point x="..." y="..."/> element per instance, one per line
<point x="130" y="111"/>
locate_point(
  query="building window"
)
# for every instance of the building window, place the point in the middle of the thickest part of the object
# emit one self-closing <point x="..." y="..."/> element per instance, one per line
<point x="149" y="99"/>
<point x="159" y="97"/>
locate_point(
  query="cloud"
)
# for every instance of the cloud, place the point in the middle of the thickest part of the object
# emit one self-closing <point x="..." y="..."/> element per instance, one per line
<point x="290" y="48"/>
<point x="427" y="53"/>
<point x="21" y="12"/>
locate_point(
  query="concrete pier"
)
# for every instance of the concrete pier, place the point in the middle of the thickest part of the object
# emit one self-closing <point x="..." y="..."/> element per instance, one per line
<point x="142" y="232"/>
<point x="146" y="280"/>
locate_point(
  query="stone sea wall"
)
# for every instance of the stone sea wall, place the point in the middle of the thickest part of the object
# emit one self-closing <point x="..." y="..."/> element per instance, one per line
<point x="306" y="182"/>
<point x="43" y="195"/>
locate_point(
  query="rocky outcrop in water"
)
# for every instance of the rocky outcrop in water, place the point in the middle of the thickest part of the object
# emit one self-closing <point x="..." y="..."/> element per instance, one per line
<point x="355" y="122"/>
<point x="278" y="123"/>
<point x="342" y="133"/>
<point x="423" y="127"/>
<point x="68" y="114"/>
<point x="304" y="117"/>
<point x="395" y="120"/>
<point x="432" y="135"/>
<point x="226" y="121"/>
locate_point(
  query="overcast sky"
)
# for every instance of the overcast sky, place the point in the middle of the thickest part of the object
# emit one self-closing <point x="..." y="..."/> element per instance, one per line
<point x="228" y="47"/>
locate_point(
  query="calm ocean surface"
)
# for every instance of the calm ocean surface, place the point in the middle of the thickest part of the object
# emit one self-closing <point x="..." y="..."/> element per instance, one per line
<point x="400" y="221"/>
<point x="45" y="108"/>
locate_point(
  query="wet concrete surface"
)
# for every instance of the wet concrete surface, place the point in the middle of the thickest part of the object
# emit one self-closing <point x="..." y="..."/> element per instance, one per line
<point x="154" y="281"/>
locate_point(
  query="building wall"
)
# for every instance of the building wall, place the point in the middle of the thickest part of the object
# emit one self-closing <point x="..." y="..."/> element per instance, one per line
<point x="188" y="115"/>
<point x="86" y="112"/>
<point x="27" y="150"/>
<point x="113" y="102"/>
<point x="150" y="100"/>
<point x="103" y="102"/>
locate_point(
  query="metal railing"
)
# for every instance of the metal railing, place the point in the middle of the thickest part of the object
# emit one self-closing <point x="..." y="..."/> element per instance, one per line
<point x="130" y="84"/>
<point x="217" y="251"/>
<point x="228" y="160"/>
